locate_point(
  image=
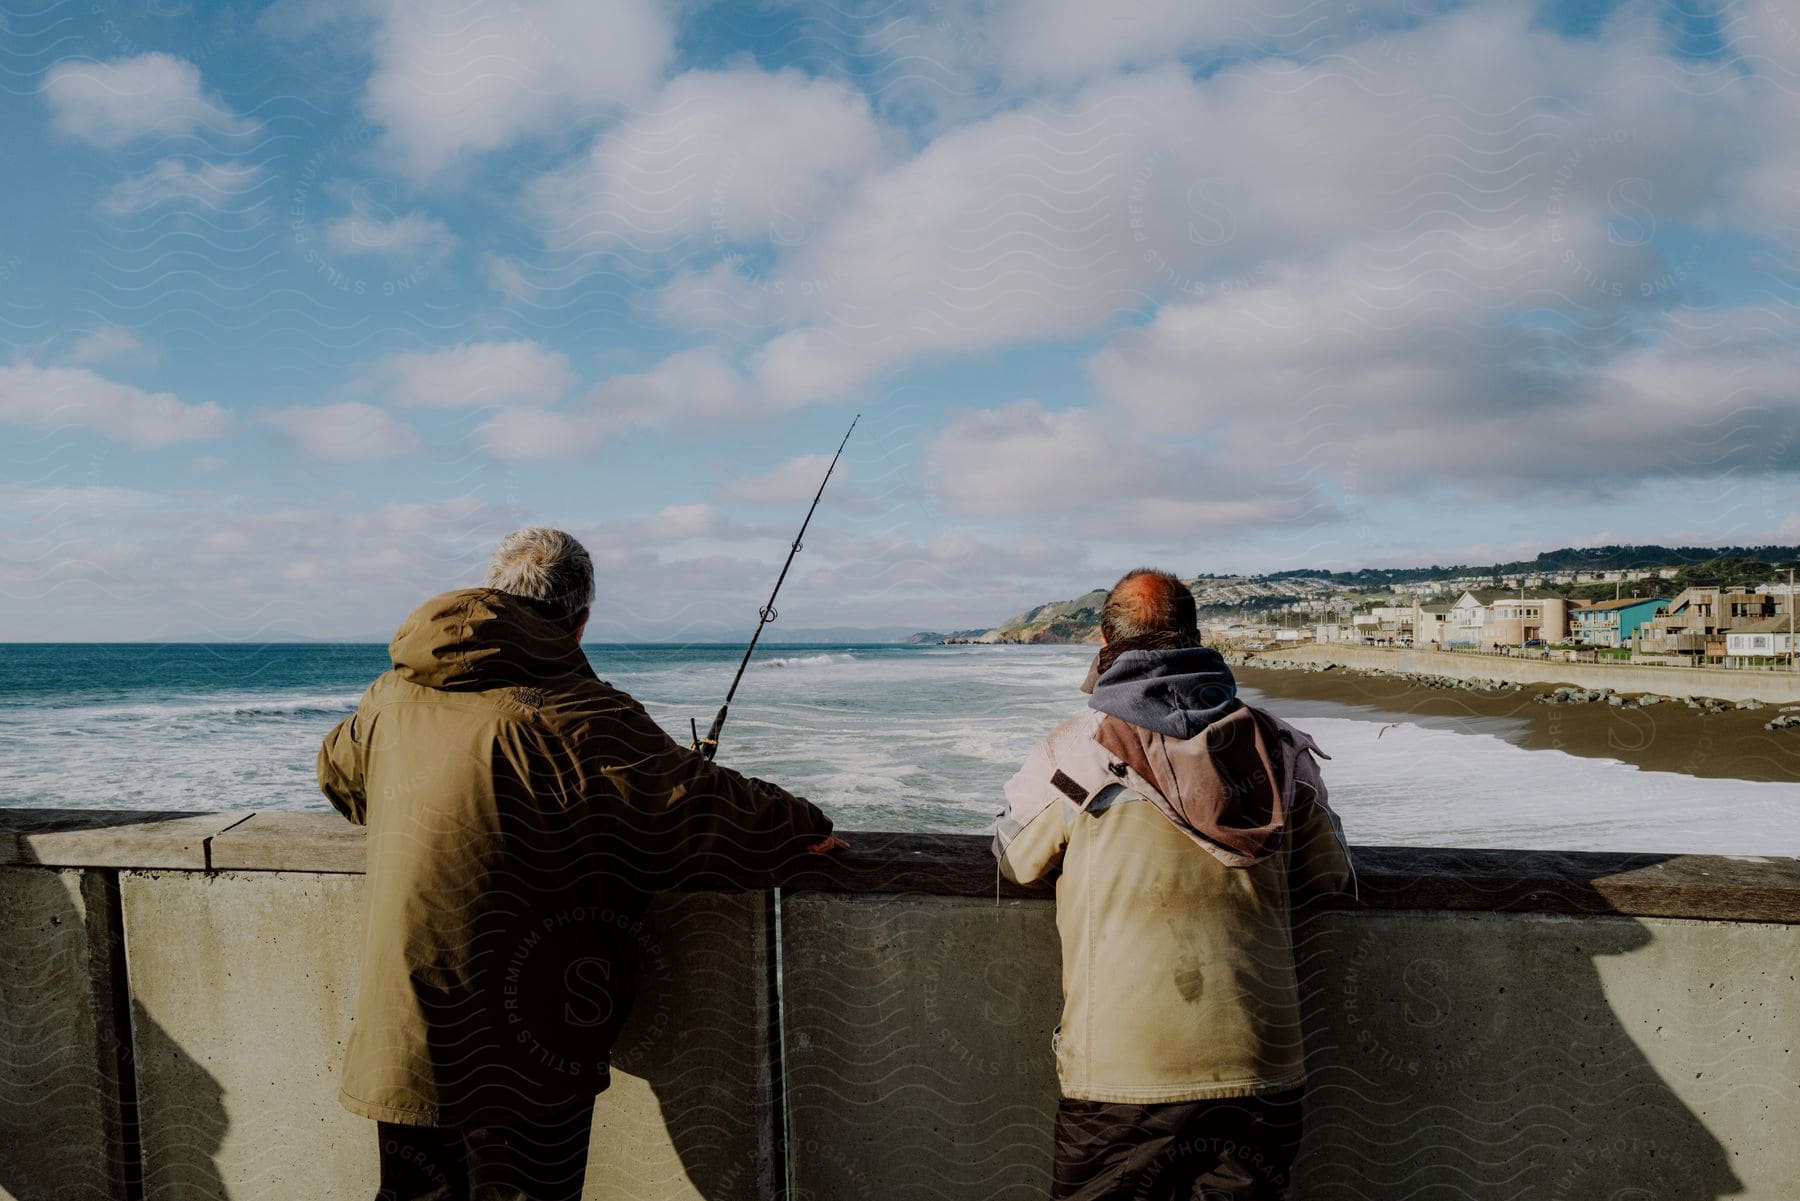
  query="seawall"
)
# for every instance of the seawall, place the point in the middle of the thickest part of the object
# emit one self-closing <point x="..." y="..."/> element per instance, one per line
<point x="1494" y="1024"/>
<point x="1778" y="687"/>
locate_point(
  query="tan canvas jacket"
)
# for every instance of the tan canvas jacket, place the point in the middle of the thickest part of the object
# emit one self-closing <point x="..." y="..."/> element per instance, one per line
<point x="520" y="812"/>
<point x="1178" y="956"/>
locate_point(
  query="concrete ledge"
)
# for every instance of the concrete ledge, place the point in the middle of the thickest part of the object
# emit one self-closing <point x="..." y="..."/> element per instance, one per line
<point x="290" y="842"/>
<point x="1704" y="887"/>
<point x="1422" y="878"/>
<point x="110" y="837"/>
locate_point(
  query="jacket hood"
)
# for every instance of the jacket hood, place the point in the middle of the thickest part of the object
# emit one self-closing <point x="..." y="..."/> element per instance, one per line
<point x="1211" y="764"/>
<point x="1177" y="692"/>
<point x="474" y="639"/>
<point x="1225" y="788"/>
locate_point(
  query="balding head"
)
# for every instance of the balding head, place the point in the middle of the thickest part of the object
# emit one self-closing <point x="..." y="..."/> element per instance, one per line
<point x="1148" y="604"/>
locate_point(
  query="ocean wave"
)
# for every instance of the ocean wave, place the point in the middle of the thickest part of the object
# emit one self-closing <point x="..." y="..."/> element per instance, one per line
<point x="226" y="708"/>
<point x="821" y="660"/>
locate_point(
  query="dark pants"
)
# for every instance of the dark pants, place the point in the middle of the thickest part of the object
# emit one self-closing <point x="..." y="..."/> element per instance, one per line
<point x="1234" y="1150"/>
<point x="531" y="1161"/>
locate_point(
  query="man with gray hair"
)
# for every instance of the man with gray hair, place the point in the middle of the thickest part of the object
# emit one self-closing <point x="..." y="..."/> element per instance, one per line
<point x="520" y="814"/>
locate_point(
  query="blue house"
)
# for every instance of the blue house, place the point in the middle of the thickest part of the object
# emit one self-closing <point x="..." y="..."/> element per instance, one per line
<point x="1612" y="623"/>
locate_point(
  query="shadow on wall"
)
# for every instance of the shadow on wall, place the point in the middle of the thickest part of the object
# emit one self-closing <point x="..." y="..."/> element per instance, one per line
<point x="919" y="1046"/>
<point x="1479" y="1053"/>
<point x="689" y="1113"/>
<point x="68" y="1070"/>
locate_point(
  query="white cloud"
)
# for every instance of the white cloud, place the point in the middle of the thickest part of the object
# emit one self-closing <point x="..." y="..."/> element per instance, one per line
<point x="1767" y="39"/>
<point x="1087" y="471"/>
<point x="87" y="498"/>
<point x="1381" y="386"/>
<point x="519" y="435"/>
<point x="411" y="237"/>
<point x="217" y="189"/>
<point x="795" y="481"/>
<point x="695" y="389"/>
<point x="719" y="300"/>
<point x="1059" y="41"/>
<point x="715" y="159"/>
<point x="56" y="398"/>
<point x="198" y="563"/>
<point x="688" y="387"/>
<point x="459" y="77"/>
<point x="508" y="277"/>
<point x="1479" y="152"/>
<point x="344" y="433"/>
<point x="106" y="342"/>
<point x="152" y="95"/>
<point x="517" y="372"/>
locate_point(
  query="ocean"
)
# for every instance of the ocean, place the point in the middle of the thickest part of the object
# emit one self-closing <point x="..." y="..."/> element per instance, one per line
<point x="884" y="737"/>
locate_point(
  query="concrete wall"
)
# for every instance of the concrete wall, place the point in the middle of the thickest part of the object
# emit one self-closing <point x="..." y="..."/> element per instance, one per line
<point x="244" y="984"/>
<point x="59" y="1064"/>
<point x="1486" y="1025"/>
<point x="918" y="1046"/>
<point x="1776" y="686"/>
<point x="1553" y="1058"/>
<point x="1452" y="1055"/>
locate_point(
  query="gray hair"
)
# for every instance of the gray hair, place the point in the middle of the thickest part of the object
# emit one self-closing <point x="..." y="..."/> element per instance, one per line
<point x="546" y="565"/>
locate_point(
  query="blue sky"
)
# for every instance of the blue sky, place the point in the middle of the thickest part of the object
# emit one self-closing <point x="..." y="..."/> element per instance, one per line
<point x="306" y="304"/>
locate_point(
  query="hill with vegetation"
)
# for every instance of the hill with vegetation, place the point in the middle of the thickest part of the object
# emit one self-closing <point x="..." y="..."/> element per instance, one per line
<point x="1252" y="598"/>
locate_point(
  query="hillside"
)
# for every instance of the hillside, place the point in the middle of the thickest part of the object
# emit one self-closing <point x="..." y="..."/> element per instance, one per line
<point x="1251" y="598"/>
<point x="1075" y="620"/>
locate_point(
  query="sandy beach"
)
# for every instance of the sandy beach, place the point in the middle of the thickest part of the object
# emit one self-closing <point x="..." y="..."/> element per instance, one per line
<point x="1668" y="737"/>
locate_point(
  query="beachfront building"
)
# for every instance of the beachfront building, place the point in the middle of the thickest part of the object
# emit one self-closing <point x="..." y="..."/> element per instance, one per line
<point x="1759" y="643"/>
<point x="1385" y="625"/>
<point x="1429" y="623"/>
<point x="1468" y="617"/>
<point x="1613" y="623"/>
<point x="1696" y="621"/>
<point x="1492" y="618"/>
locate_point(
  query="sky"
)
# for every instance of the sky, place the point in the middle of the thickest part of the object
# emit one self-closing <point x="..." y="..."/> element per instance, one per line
<point x="304" y="305"/>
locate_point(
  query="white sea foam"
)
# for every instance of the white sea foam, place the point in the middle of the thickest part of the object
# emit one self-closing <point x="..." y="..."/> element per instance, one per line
<point x="821" y="660"/>
<point x="1409" y="785"/>
<point x="919" y="740"/>
<point x="229" y="707"/>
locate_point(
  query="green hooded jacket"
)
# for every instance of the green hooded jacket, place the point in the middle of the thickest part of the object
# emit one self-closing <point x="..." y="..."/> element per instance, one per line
<point x="520" y="812"/>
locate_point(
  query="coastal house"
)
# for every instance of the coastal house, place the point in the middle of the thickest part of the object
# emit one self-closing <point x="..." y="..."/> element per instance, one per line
<point x="1755" y="643"/>
<point x="1429" y="623"/>
<point x="1613" y="623"/>
<point x="1468" y="617"/>
<point x="1492" y="618"/>
<point x="1697" y="620"/>
<point x="1385" y="625"/>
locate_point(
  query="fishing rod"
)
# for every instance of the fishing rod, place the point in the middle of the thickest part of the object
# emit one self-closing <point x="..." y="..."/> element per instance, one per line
<point x="709" y="746"/>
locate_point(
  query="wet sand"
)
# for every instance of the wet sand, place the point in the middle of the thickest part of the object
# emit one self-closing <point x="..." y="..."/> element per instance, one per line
<point x="1666" y="737"/>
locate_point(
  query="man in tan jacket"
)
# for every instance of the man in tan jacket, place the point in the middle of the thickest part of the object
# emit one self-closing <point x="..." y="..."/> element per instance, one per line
<point x="1182" y="827"/>
<point x="520" y="813"/>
